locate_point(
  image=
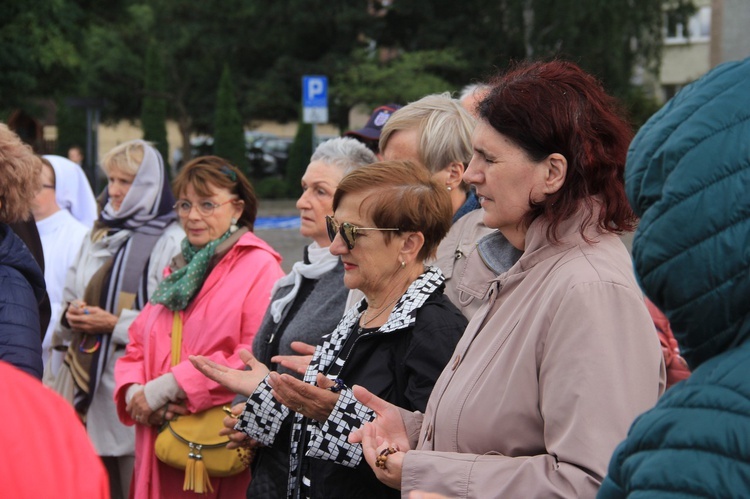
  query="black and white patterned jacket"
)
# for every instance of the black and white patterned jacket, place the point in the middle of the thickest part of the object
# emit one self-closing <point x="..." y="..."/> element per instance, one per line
<point x="422" y="348"/>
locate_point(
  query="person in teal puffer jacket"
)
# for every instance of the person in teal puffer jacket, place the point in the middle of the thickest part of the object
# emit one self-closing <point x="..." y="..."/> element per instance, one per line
<point x="688" y="177"/>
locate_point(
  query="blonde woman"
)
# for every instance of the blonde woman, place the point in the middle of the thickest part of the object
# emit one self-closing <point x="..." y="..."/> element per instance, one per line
<point x="118" y="267"/>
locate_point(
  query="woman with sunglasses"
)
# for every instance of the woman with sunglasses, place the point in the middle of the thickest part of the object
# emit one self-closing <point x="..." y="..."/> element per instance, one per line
<point x="388" y="219"/>
<point x="218" y="288"/>
<point x="306" y="304"/>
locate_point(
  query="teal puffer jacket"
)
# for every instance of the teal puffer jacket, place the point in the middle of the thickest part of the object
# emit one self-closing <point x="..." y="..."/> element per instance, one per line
<point x="688" y="177"/>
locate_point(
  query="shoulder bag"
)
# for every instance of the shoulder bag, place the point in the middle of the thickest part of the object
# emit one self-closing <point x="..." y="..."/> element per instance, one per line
<point x="192" y="443"/>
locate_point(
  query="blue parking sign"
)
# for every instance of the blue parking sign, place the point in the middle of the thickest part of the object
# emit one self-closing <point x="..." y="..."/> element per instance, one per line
<point x="314" y="99"/>
<point x="314" y="91"/>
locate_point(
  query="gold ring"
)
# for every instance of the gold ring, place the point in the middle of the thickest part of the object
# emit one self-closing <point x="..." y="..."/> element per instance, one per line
<point x="383" y="457"/>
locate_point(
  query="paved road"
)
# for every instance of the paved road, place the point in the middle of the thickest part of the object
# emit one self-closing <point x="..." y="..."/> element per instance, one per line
<point x="288" y="242"/>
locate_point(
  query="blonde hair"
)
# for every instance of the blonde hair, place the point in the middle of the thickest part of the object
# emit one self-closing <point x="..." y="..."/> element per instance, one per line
<point x="127" y="157"/>
<point x="443" y="126"/>
<point x="20" y="177"/>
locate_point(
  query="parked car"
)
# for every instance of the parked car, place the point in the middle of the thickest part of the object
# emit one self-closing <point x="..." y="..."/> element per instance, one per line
<point x="268" y="156"/>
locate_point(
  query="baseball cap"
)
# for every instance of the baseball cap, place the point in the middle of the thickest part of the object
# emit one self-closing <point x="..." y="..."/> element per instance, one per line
<point x="371" y="130"/>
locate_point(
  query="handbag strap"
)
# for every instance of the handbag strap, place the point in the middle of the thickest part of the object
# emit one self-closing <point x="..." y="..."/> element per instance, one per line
<point x="176" y="337"/>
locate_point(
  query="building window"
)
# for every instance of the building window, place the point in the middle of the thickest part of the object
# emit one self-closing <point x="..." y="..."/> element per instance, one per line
<point x="698" y="27"/>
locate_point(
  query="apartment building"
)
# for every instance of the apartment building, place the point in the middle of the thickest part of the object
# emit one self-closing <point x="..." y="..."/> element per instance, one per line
<point x="716" y="33"/>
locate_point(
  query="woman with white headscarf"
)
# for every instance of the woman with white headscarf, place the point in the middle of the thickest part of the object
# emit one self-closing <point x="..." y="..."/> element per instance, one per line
<point x="62" y="236"/>
<point x="72" y="190"/>
<point x="119" y="266"/>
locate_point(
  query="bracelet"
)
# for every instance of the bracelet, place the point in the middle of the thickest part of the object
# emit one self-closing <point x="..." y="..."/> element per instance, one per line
<point x="338" y="386"/>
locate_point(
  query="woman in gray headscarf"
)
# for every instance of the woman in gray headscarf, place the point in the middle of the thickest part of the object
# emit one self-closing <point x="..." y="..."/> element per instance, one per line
<point x="117" y="269"/>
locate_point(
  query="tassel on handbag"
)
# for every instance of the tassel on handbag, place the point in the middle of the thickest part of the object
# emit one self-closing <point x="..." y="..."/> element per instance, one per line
<point x="196" y="474"/>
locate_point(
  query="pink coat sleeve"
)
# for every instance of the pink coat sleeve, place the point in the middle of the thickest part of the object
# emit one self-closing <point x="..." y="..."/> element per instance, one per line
<point x="227" y="324"/>
<point x="130" y="367"/>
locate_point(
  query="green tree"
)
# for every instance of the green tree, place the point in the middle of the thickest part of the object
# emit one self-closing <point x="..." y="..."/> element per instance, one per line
<point x="154" y="111"/>
<point x="71" y="128"/>
<point x="195" y="44"/>
<point x="229" y="136"/>
<point x="299" y="157"/>
<point x="421" y="46"/>
<point x="292" y="38"/>
<point x="609" y="39"/>
<point x="364" y="79"/>
<point x="37" y="50"/>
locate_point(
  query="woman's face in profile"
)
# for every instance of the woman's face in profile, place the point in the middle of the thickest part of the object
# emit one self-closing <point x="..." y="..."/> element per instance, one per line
<point x="371" y="264"/>
<point x="208" y="217"/>
<point x="118" y="186"/>
<point x="505" y="179"/>
<point x="318" y="186"/>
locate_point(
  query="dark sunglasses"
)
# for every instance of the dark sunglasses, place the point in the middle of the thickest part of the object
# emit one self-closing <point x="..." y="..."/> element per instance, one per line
<point x="348" y="231"/>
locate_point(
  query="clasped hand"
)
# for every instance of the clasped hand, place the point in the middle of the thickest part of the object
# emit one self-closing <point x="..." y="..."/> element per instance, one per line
<point x="89" y="319"/>
<point x="142" y="413"/>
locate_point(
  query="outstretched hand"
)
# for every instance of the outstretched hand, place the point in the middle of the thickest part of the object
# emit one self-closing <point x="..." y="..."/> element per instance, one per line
<point x="296" y="363"/>
<point x="239" y="381"/>
<point x="314" y="402"/>
<point x="386" y="431"/>
<point x="388" y="422"/>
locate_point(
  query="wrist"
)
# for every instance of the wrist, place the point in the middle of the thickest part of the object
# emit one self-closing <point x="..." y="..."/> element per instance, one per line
<point x="113" y="323"/>
<point x="132" y="390"/>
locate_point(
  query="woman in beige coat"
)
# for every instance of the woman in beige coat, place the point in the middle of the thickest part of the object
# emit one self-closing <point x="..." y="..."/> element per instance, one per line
<point x="561" y="358"/>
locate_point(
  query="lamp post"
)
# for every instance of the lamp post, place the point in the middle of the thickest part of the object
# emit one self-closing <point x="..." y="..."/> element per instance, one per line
<point x="93" y="106"/>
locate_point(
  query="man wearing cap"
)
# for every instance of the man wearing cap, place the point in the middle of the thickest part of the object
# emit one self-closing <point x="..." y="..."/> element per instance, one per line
<point x="370" y="134"/>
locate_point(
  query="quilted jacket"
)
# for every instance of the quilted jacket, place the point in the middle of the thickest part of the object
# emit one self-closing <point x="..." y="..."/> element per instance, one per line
<point x="688" y="177"/>
<point x="21" y="290"/>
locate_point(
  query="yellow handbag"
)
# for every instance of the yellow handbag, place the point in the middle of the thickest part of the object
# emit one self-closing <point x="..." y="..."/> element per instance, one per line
<point x="192" y="443"/>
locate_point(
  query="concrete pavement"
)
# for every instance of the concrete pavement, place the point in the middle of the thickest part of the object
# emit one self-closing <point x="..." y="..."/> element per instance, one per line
<point x="288" y="242"/>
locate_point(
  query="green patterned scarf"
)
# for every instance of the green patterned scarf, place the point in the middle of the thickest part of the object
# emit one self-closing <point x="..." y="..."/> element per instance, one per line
<point x="176" y="291"/>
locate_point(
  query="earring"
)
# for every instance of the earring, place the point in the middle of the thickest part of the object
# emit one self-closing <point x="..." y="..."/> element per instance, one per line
<point x="403" y="264"/>
<point x="449" y="188"/>
<point x="233" y="228"/>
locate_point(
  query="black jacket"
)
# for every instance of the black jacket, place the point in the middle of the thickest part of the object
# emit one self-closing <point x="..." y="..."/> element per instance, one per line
<point x="386" y="364"/>
<point x="21" y="290"/>
<point x="399" y="361"/>
<point x="315" y="311"/>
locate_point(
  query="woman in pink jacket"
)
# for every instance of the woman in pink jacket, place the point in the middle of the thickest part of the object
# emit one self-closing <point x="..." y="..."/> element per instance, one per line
<point x="561" y="358"/>
<point x="220" y="285"/>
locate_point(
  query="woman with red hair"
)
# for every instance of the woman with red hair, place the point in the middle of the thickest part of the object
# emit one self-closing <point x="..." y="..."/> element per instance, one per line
<point x="561" y="358"/>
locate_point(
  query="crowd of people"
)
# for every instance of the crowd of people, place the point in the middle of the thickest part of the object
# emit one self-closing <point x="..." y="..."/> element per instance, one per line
<point x="465" y="321"/>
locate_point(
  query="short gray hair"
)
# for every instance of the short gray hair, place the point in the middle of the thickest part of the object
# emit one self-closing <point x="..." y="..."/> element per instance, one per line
<point x="344" y="152"/>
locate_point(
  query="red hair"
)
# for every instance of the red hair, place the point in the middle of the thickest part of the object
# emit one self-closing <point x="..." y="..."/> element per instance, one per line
<point x="556" y="107"/>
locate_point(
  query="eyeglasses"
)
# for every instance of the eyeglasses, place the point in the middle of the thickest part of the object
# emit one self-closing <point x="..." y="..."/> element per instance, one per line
<point x="205" y="208"/>
<point x="348" y="231"/>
